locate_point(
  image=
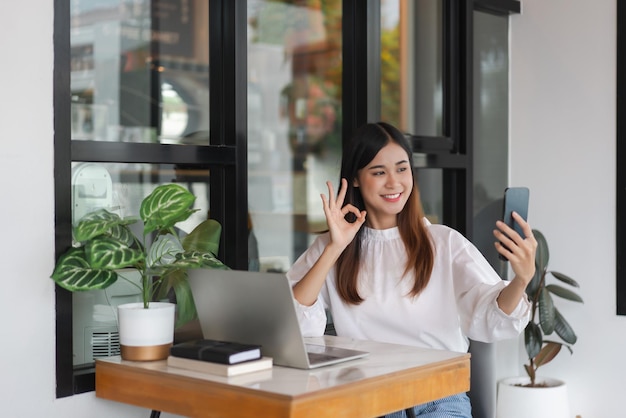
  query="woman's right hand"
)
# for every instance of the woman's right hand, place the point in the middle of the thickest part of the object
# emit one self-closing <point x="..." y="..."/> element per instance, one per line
<point x="341" y="234"/>
<point x="341" y="231"/>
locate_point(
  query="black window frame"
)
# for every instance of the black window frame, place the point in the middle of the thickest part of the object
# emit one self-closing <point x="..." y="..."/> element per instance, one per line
<point x="620" y="191"/>
<point x="227" y="153"/>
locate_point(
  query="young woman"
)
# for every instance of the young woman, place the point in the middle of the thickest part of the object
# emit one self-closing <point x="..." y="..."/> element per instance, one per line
<point x="385" y="273"/>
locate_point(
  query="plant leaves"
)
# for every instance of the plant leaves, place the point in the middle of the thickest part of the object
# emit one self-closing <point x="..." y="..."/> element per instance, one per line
<point x="550" y="319"/>
<point x="94" y="224"/>
<point x="535" y="282"/>
<point x="107" y="253"/>
<point x="163" y="251"/>
<point x="533" y="339"/>
<point x="542" y="255"/>
<point x="547" y="353"/>
<point x="546" y="312"/>
<point x="564" y="293"/>
<point x="167" y="205"/>
<point x="196" y="259"/>
<point x="564" y="278"/>
<point x="563" y="328"/>
<point x="204" y="238"/>
<point x="109" y="245"/>
<point x="569" y="348"/>
<point x="73" y="272"/>
<point x="184" y="302"/>
<point x="99" y="214"/>
<point x="123" y="234"/>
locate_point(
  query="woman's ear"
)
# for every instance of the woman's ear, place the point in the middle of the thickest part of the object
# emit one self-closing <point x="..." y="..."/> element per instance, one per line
<point x="355" y="182"/>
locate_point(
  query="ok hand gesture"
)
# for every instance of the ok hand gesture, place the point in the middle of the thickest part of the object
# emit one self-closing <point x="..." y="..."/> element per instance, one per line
<point x="341" y="231"/>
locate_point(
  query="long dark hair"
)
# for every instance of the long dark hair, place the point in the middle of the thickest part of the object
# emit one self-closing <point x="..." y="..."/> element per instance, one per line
<point x="367" y="141"/>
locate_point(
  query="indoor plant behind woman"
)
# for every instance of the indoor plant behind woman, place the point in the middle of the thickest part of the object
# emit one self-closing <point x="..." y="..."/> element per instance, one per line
<point x="106" y="248"/>
<point x="546" y="397"/>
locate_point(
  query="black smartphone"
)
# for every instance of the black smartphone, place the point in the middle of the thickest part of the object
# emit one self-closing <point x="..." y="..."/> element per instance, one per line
<point x="515" y="199"/>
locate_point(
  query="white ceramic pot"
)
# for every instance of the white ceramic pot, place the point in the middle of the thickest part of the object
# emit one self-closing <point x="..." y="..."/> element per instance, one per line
<point x="517" y="401"/>
<point x="146" y="334"/>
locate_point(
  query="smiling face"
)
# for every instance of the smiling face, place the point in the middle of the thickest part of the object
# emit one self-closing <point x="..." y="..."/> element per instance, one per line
<point x="385" y="185"/>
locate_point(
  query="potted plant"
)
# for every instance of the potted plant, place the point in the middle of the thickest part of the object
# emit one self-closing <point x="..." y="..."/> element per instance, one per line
<point x="545" y="320"/>
<point x="106" y="248"/>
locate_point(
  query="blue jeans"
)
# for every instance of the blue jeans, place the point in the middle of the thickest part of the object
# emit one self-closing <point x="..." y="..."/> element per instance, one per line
<point x="457" y="406"/>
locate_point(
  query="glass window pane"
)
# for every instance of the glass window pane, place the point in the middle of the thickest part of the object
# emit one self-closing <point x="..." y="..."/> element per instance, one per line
<point x="139" y="71"/>
<point x="430" y="182"/>
<point x="294" y="122"/>
<point x="411" y="65"/>
<point x="120" y="188"/>
<point x="491" y="115"/>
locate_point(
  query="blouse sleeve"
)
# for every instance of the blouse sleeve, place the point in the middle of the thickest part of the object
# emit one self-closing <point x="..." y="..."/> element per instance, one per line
<point x="312" y="318"/>
<point x="477" y="287"/>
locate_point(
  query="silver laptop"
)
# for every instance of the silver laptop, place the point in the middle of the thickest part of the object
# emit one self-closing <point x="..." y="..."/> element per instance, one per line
<point x="258" y="308"/>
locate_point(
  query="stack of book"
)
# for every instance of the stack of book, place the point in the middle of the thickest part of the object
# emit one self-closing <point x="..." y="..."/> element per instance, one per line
<point x="223" y="358"/>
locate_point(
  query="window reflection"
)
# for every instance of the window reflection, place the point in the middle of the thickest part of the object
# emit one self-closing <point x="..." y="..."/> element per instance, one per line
<point x="294" y="121"/>
<point x="139" y="70"/>
<point x="430" y="182"/>
<point x="174" y="115"/>
<point x="490" y="124"/>
<point x="412" y="66"/>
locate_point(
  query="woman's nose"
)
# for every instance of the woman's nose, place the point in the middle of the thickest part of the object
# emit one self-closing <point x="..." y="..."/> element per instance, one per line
<point x="392" y="180"/>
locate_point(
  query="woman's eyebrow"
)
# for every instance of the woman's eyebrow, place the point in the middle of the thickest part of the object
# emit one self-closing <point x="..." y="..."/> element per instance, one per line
<point x="379" y="166"/>
<point x="376" y="167"/>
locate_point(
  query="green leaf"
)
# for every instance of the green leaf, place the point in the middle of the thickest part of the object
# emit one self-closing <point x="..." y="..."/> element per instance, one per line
<point x="563" y="328"/>
<point x="546" y="312"/>
<point x="73" y="272"/>
<point x="564" y="293"/>
<point x="204" y="238"/>
<point x="565" y="279"/>
<point x="547" y="354"/>
<point x="123" y="234"/>
<point x="94" y="224"/>
<point x="184" y="302"/>
<point x="99" y="214"/>
<point x="535" y="282"/>
<point x="195" y="259"/>
<point x="542" y="255"/>
<point x="176" y="280"/>
<point x="562" y="345"/>
<point x="533" y="339"/>
<point x="165" y="206"/>
<point x="107" y="253"/>
<point x="164" y="250"/>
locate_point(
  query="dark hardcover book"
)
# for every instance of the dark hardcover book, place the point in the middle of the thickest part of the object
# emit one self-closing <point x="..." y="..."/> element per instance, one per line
<point x="225" y="352"/>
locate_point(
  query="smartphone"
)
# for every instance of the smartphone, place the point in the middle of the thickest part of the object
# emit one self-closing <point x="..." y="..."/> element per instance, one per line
<point x="515" y="199"/>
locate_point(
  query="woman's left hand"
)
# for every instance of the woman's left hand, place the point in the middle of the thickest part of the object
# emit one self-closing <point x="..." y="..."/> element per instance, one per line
<point x="520" y="251"/>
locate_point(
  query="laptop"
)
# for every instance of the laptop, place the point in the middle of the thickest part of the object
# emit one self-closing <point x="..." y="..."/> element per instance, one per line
<point x="258" y="308"/>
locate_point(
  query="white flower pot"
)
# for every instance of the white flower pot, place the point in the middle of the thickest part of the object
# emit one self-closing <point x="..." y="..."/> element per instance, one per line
<point x="146" y="334"/>
<point x="517" y="401"/>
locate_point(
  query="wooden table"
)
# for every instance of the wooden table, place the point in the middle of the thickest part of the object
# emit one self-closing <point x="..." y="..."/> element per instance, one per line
<point x="391" y="378"/>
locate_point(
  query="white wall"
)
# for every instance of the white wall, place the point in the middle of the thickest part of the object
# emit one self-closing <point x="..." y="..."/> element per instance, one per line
<point x="562" y="146"/>
<point x="27" y="356"/>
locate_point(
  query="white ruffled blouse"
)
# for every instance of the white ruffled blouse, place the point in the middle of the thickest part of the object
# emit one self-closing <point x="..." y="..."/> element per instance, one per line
<point x="458" y="303"/>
